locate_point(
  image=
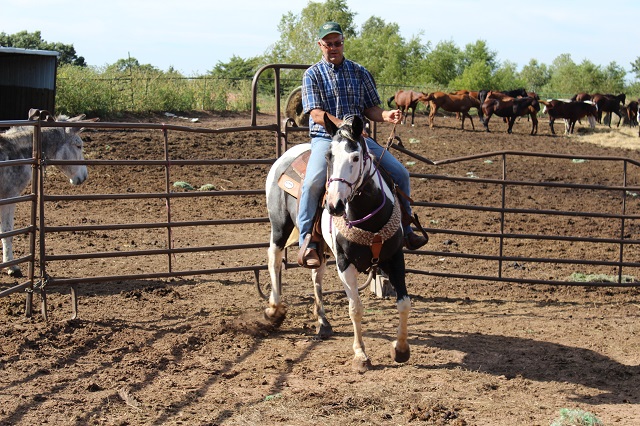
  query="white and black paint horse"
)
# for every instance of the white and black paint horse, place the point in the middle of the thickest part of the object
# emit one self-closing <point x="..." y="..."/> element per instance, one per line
<point x="360" y="225"/>
<point x="58" y="143"/>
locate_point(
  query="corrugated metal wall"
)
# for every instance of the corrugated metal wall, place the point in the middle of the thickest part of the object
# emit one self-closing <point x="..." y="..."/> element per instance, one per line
<point x="27" y="80"/>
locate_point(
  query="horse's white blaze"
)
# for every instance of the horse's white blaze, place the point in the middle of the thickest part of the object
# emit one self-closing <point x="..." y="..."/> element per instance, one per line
<point x="347" y="169"/>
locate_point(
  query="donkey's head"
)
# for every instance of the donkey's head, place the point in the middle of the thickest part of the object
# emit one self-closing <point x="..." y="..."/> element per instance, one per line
<point x="64" y="143"/>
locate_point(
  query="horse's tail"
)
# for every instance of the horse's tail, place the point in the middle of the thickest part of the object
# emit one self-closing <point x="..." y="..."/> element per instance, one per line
<point x="390" y="100"/>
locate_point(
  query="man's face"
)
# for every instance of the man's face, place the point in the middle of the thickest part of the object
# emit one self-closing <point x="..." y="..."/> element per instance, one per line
<point x="332" y="47"/>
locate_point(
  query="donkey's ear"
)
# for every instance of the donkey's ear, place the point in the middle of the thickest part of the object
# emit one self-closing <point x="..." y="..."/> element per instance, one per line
<point x="357" y="126"/>
<point x="329" y="125"/>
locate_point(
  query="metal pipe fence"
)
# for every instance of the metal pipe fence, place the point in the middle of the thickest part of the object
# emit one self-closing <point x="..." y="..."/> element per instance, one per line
<point x="501" y="210"/>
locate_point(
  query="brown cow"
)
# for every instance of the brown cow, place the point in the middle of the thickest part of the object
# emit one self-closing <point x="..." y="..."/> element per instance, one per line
<point x="510" y="108"/>
<point x="570" y="111"/>
<point x="405" y="100"/>
<point x="452" y="103"/>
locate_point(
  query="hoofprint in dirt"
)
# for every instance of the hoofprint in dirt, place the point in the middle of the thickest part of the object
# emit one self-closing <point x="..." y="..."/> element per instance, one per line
<point x="197" y="351"/>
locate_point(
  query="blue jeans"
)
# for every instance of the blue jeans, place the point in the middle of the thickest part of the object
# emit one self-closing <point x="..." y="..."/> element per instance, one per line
<point x="315" y="179"/>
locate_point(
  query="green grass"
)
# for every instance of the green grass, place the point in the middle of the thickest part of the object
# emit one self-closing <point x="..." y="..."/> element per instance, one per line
<point x="576" y="417"/>
<point x="600" y="278"/>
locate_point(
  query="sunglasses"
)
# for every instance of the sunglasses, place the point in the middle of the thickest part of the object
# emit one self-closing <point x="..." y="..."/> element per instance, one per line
<point x="330" y="45"/>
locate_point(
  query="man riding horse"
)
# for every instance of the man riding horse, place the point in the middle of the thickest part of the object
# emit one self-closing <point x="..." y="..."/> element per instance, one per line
<point x="339" y="88"/>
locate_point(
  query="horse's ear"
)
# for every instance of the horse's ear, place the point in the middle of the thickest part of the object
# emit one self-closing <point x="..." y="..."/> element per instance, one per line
<point x="329" y="125"/>
<point x="357" y="126"/>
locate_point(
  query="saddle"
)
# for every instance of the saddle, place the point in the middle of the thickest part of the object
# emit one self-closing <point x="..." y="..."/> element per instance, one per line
<point x="291" y="182"/>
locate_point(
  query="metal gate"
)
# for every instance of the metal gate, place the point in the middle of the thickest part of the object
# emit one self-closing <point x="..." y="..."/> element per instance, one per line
<point x="498" y="190"/>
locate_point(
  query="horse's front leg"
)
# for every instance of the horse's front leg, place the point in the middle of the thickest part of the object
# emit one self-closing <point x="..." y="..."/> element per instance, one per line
<point x="485" y="123"/>
<point x="349" y="277"/>
<point x="6" y="225"/>
<point x="395" y="269"/>
<point x="276" y="311"/>
<point x="323" y="327"/>
<point x="400" y="349"/>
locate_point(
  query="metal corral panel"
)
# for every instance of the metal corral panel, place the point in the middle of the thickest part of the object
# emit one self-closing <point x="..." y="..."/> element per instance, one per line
<point x="27" y="80"/>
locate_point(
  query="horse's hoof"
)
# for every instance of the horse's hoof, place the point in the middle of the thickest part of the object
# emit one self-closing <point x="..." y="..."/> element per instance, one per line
<point x="361" y="365"/>
<point x="400" y="354"/>
<point x="275" y="315"/>
<point x="324" y="331"/>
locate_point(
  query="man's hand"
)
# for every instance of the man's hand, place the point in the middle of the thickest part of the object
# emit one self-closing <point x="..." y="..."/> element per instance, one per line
<point x="394" y="116"/>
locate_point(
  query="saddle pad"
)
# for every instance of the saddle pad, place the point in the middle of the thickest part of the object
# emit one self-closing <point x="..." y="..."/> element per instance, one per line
<point x="291" y="180"/>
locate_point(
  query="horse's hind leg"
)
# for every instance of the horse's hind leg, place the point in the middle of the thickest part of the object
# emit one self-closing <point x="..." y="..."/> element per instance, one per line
<point x="323" y="327"/>
<point x="276" y="311"/>
<point x="6" y="224"/>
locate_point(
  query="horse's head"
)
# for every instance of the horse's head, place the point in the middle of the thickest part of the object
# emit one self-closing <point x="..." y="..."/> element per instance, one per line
<point x="347" y="160"/>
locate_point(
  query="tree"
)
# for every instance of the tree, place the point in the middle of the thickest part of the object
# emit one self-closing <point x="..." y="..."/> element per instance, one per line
<point x="534" y="75"/>
<point x="299" y="33"/>
<point x="476" y="76"/>
<point x="381" y="49"/>
<point x="237" y="68"/>
<point x="563" y="71"/>
<point x="131" y="63"/>
<point x="478" y="52"/>
<point x="614" y="76"/>
<point x="442" y="64"/>
<point x="635" y="67"/>
<point x="27" y="40"/>
<point x="507" y="78"/>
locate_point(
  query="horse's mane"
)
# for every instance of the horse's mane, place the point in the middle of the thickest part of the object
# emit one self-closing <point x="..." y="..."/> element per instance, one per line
<point x="346" y="129"/>
<point x="346" y="132"/>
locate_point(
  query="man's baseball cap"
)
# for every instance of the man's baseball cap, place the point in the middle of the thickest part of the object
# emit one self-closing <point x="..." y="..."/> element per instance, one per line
<point x="329" y="28"/>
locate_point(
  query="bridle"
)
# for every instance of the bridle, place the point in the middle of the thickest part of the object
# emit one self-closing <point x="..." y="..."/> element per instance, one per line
<point x="366" y="160"/>
<point x="365" y="172"/>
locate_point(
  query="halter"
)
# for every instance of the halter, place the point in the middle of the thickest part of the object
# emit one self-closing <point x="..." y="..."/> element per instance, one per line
<point x="360" y="180"/>
<point x="361" y="175"/>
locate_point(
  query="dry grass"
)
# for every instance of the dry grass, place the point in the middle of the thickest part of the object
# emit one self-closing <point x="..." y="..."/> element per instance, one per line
<point x="616" y="137"/>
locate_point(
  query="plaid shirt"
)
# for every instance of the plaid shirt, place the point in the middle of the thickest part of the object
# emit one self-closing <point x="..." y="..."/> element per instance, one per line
<point x="346" y="89"/>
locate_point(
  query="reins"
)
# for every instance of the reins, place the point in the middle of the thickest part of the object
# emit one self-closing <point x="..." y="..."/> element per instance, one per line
<point x="392" y="136"/>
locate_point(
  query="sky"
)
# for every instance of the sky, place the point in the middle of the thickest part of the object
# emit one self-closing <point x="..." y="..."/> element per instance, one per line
<point x="192" y="36"/>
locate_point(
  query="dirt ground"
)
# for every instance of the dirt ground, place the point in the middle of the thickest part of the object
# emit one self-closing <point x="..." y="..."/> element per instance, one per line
<point x="195" y="350"/>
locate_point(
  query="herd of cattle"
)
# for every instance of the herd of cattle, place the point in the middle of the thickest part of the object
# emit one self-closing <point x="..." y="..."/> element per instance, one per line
<point x="518" y="103"/>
